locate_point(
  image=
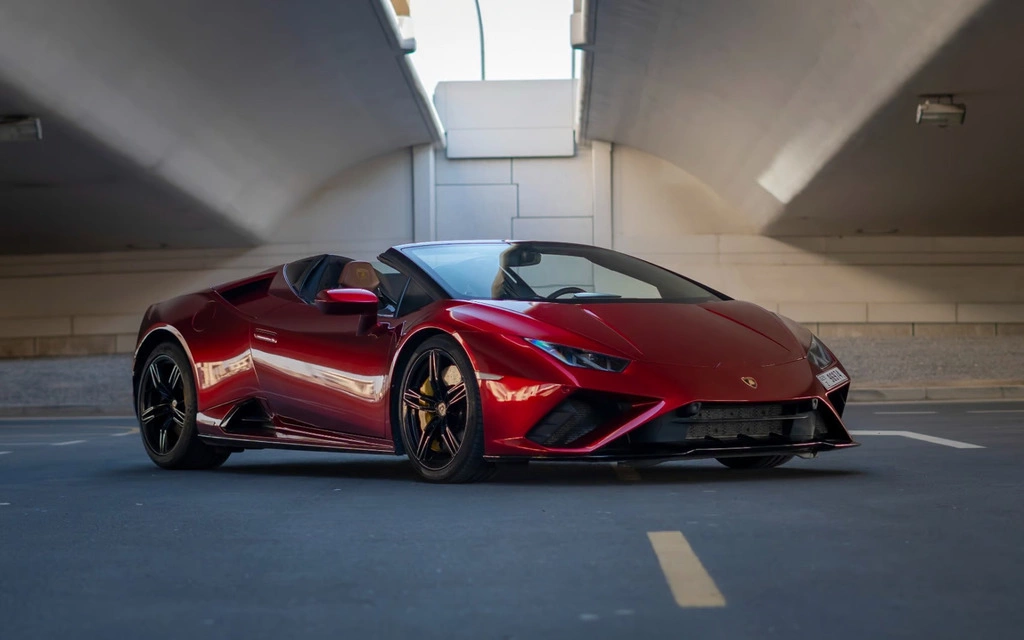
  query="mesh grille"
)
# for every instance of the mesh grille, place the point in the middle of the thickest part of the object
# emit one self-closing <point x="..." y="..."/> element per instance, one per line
<point x="731" y="421"/>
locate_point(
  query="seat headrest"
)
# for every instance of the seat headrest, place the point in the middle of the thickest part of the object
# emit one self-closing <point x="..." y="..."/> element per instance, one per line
<point x="358" y="274"/>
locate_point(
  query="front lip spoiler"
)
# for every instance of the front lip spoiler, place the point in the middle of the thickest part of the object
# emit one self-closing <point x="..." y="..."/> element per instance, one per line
<point x="690" y="454"/>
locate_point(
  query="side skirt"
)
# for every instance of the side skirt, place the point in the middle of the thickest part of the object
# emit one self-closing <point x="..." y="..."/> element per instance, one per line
<point x="248" y="425"/>
<point x="244" y="443"/>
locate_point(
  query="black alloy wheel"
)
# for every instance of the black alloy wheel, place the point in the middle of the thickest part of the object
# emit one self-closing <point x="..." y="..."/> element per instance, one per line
<point x="162" y="415"/>
<point x="439" y="412"/>
<point x="166" y="407"/>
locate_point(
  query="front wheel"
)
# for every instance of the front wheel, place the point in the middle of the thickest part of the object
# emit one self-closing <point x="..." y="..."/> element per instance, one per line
<point x="166" y="404"/>
<point x="441" y="422"/>
<point x="755" y="462"/>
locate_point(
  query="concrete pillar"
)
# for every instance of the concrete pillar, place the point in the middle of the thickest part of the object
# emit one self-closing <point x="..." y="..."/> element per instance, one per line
<point x="424" y="215"/>
<point x="601" y="166"/>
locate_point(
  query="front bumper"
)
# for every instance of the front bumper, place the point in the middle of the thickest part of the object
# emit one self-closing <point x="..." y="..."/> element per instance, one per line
<point x="647" y="412"/>
<point x="807" y="448"/>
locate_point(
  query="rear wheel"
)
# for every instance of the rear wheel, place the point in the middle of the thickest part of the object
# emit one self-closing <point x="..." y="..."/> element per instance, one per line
<point x="755" y="462"/>
<point x="441" y="422"/>
<point x="166" y="405"/>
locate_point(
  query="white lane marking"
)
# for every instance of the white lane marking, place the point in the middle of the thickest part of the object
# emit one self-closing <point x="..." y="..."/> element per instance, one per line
<point x="996" y="411"/>
<point x="956" y="444"/>
<point x="126" y="433"/>
<point x="5" y="504"/>
<point x="904" y="413"/>
<point x="626" y="473"/>
<point x="64" y="444"/>
<point x="4" y="452"/>
<point x="689" y="581"/>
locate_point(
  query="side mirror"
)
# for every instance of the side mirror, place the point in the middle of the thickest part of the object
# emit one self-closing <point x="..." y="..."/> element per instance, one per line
<point x="347" y="302"/>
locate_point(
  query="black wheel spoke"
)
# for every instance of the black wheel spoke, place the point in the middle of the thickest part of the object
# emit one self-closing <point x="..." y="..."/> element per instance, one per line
<point x="415" y="400"/>
<point x="162" y="441"/>
<point x="433" y="376"/>
<point x="151" y="412"/>
<point x="157" y="380"/>
<point x="427" y="437"/>
<point x="456" y="393"/>
<point x="450" y="441"/>
<point x="178" y="416"/>
<point x="174" y="380"/>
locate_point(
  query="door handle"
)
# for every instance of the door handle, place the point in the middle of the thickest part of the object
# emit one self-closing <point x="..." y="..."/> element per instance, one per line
<point x="265" y="335"/>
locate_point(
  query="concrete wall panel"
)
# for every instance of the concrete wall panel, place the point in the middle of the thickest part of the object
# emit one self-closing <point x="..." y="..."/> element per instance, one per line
<point x="555" y="187"/>
<point x="507" y="118"/>
<point x="475" y="212"/>
<point x="479" y="171"/>
<point x="558" y="229"/>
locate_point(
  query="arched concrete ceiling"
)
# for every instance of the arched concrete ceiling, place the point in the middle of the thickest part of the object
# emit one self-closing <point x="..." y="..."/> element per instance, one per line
<point x="801" y="114"/>
<point x="896" y="177"/>
<point x="192" y="123"/>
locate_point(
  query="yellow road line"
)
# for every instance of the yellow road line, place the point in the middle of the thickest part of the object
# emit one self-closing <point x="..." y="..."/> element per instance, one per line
<point x="626" y="473"/>
<point x="690" y="583"/>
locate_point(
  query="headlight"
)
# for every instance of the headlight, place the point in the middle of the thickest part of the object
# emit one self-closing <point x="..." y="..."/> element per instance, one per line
<point x="819" y="356"/>
<point x="581" y="357"/>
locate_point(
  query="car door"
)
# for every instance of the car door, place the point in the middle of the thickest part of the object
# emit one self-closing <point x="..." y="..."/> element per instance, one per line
<point x="322" y="370"/>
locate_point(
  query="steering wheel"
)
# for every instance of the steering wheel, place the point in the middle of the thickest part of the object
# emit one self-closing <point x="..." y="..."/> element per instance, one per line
<point x="563" y="291"/>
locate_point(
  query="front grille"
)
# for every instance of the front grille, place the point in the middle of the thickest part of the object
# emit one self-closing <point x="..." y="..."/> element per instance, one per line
<point x="732" y="421"/>
<point x="718" y="424"/>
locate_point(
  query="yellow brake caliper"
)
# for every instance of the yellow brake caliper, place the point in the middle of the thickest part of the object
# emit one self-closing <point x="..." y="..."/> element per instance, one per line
<point x="427" y="390"/>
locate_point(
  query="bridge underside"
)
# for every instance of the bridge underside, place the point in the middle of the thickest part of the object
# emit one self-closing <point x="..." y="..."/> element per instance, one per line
<point x="191" y="124"/>
<point x="801" y="115"/>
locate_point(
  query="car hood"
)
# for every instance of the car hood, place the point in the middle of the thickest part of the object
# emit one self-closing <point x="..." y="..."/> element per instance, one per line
<point x="696" y="335"/>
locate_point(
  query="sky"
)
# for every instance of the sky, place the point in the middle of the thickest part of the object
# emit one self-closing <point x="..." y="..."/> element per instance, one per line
<point x="523" y="39"/>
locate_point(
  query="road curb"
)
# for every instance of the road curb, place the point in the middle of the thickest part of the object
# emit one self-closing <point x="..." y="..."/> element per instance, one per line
<point x="912" y="394"/>
<point x="77" y="411"/>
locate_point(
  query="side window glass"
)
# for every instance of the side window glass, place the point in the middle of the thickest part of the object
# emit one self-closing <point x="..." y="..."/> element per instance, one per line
<point x="392" y="286"/>
<point x="416" y="297"/>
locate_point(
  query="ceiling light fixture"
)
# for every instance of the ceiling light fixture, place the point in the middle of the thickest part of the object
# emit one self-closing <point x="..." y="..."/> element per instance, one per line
<point x="939" y="110"/>
<point x="20" y="129"/>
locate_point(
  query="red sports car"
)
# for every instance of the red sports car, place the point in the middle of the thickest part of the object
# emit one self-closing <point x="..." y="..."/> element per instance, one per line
<point x="462" y="355"/>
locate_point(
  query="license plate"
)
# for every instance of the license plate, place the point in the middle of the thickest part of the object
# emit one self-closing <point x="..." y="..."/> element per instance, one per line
<point x="832" y="378"/>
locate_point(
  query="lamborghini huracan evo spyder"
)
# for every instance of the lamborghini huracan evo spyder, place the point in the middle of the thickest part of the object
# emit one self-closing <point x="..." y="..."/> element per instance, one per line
<point x="461" y="355"/>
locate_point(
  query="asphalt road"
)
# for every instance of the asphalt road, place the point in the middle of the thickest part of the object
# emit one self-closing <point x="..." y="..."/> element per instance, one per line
<point x="899" y="538"/>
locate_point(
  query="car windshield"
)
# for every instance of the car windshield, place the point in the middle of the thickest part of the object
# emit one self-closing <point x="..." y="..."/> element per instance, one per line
<point x="551" y="271"/>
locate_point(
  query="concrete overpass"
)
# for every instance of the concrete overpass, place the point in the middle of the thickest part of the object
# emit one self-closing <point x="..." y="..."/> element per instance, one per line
<point x="193" y="124"/>
<point x="800" y="115"/>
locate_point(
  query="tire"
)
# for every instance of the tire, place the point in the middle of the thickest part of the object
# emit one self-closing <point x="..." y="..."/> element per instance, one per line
<point x="755" y="462"/>
<point x="439" y="415"/>
<point x="165" y="403"/>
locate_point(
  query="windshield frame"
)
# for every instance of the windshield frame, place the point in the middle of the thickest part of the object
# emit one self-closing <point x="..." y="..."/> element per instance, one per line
<point x="408" y="252"/>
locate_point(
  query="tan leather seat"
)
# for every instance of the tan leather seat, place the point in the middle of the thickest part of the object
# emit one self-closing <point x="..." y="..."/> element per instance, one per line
<point x="358" y="275"/>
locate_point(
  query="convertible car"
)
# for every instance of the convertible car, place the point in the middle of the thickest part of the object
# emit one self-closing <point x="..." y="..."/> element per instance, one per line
<point x="463" y="355"/>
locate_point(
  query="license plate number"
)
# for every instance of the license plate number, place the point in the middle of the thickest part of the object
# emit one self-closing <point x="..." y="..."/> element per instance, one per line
<point x="832" y="378"/>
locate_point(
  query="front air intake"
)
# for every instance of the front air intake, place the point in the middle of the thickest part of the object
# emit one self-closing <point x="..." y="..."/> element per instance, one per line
<point x="573" y="419"/>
